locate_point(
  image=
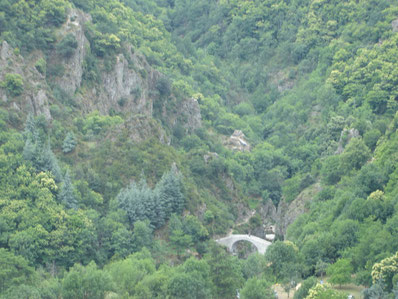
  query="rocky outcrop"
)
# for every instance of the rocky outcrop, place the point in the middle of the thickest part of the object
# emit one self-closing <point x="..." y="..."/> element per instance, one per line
<point x="276" y="220"/>
<point x="71" y="80"/>
<point x="345" y="137"/>
<point x="35" y="96"/>
<point x="189" y="115"/>
<point x="287" y="213"/>
<point x="238" y="142"/>
<point x="394" y="25"/>
<point x="126" y="88"/>
<point x="282" y="81"/>
<point x="126" y="85"/>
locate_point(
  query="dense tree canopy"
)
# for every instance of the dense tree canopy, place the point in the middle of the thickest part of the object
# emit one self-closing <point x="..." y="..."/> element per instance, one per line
<point x="88" y="210"/>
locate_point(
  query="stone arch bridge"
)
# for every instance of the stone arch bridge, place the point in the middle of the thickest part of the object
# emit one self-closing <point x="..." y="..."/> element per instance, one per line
<point x="230" y="241"/>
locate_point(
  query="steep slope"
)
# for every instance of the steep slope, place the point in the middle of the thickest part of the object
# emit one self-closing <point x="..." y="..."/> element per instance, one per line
<point x="176" y="119"/>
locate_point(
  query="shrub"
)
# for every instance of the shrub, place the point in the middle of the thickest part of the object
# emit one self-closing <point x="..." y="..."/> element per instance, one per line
<point x="67" y="46"/>
<point x="41" y="66"/>
<point x="13" y="83"/>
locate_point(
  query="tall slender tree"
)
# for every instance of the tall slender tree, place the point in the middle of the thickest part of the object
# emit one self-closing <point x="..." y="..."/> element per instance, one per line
<point x="67" y="194"/>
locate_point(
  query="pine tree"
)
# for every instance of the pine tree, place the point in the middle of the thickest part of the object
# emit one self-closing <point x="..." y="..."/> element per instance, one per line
<point x="169" y="189"/>
<point x="48" y="162"/>
<point x="130" y="200"/>
<point x="159" y="209"/>
<point x="39" y="153"/>
<point x="29" y="150"/>
<point x="67" y="194"/>
<point x="156" y="205"/>
<point x="69" y="143"/>
<point x="30" y="127"/>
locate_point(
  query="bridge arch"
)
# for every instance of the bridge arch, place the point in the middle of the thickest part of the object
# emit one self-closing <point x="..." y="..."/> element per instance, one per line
<point x="231" y="240"/>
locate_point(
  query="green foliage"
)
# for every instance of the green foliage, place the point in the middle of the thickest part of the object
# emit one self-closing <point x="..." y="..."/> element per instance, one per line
<point x="69" y="143"/>
<point x="294" y="76"/>
<point x="141" y="203"/>
<point x="225" y="272"/>
<point x="355" y="155"/>
<point x="371" y="137"/>
<point x="28" y="27"/>
<point x="284" y="260"/>
<point x="15" y="270"/>
<point x="127" y="273"/>
<point x="95" y="123"/>
<point x="86" y="282"/>
<point x="38" y="151"/>
<point x="13" y="83"/>
<point x="67" y="46"/>
<point x="386" y="272"/>
<point x="163" y="85"/>
<point x="305" y="287"/>
<point x="340" y="272"/>
<point x="67" y="194"/>
<point x="322" y="291"/>
<point x="41" y="66"/>
<point x="142" y="235"/>
<point x="256" y="288"/>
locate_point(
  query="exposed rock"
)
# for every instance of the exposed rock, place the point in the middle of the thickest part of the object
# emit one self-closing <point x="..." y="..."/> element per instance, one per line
<point x="190" y="115"/>
<point x="275" y="221"/>
<point x="287" y="213"/>
<point x="238" y="142"/>
<point x="268" y="214"/>
<point x="5" y="52"/>
<point x="34" y="97"/>
<point x="394" y="25"/>
<point x="345" y="137"/>
<point x="282" y="81"/>
<point x="229" y="183"/>
<point x="39" y="102"/>
<point x="210" y="156"/>
<point x="72" y="78"/>
<point x="124" y="88"/>
<point x="130" y="87"/>
<point x="15" y="106"/>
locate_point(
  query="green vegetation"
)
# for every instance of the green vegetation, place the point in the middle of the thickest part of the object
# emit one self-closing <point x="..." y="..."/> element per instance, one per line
<point x="13" y="83"/>
<point x="101" y="201"/>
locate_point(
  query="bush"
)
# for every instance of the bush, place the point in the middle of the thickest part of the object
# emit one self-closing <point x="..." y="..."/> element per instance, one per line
<point x="163" y="85"/>
<point x="67" y="46"/>
<point x="13" y="83"/>
<point x="371" y="137"/>
<point x="306" y="285"/>
<point x="41" y="66"/>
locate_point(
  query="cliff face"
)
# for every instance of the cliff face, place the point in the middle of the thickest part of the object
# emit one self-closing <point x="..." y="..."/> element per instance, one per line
<point x="286" y="213"/>
<point x="36" y="94"/>
<point x="71" y="80"/>
<point x="127" y="85"/>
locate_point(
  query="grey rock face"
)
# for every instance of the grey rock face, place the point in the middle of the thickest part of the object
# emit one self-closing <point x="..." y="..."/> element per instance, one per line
<point x="345" y="137"/>
<point x="128" y="87"/>
<point x="190" y="111"/>
<point x="72" y="78"/>
<point x="394" y="25"/>
<point x="124" y="88"/>
<point x="238" y="142"/>
<point x="34" y="97"/>
<point x="39" y="102"/>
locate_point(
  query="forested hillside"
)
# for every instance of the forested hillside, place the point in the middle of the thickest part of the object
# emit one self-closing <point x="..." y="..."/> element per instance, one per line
<point x="135" y="132"/>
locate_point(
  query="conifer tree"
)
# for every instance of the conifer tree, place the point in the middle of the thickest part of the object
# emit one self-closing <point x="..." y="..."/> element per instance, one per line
<point x="69" y="143"/>
<point x="67" y="195"/>
<point x="169" y="188"/>
<point x="48" y="162"/>
<point x="39" y="152"/>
